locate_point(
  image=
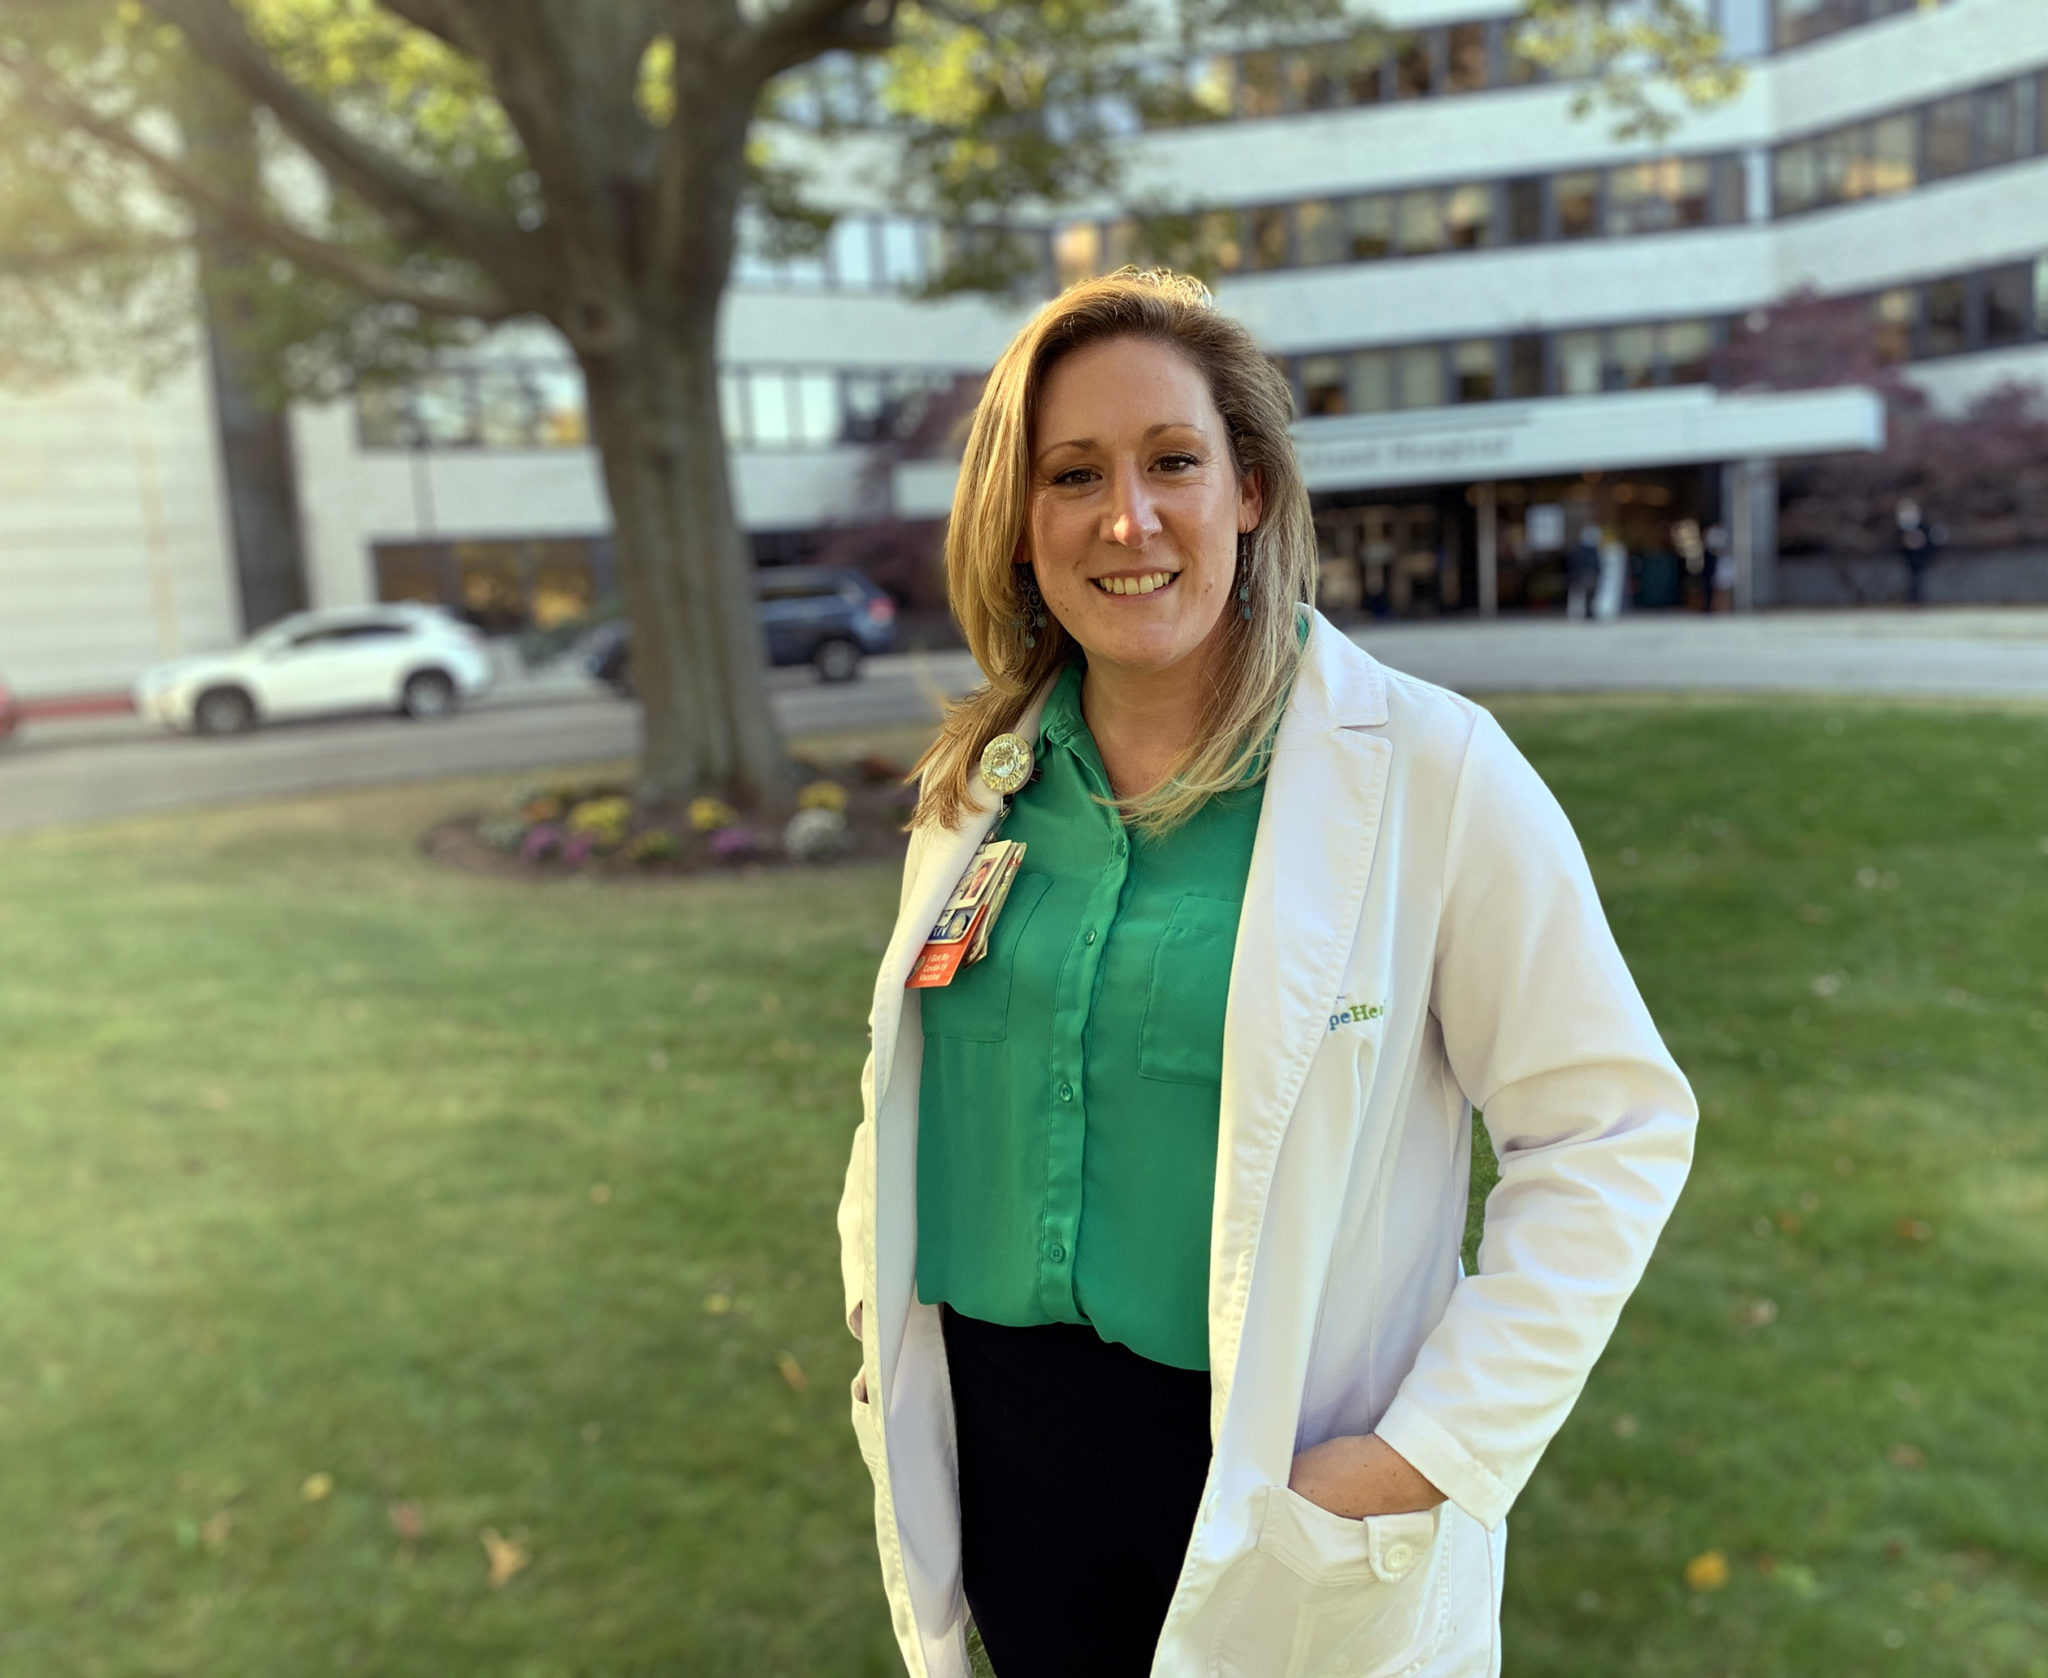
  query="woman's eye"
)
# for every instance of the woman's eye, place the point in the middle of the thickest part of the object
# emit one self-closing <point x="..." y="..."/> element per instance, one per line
<point x="1178" y="462"/>
<point x="1074" y="475"/>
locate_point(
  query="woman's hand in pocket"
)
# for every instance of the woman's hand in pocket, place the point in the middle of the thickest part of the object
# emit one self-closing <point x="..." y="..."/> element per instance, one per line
<point x="1358" y="1475"/>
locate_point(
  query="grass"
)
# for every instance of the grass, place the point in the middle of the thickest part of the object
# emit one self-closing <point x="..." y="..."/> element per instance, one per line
<point x="509" y="1207"/>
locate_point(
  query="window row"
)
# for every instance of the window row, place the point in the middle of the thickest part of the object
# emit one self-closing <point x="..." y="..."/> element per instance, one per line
<point x="1796" y="22"/>
<point x="1980" y="129"/>
<point x="1503" y="367"/>
<point x="1993" y="309"/>
<point x="542" y="406"/>
<point x="1653" y="197"/>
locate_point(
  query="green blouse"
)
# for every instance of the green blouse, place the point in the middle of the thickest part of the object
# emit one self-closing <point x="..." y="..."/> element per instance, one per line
<point x="1067" y="1119"/>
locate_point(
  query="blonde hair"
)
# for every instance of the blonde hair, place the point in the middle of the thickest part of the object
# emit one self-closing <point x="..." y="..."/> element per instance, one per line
<point x="992" y="501"/>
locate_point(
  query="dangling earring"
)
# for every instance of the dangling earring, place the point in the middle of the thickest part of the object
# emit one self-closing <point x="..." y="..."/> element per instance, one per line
<point x="1030" y="616"/>
<point x="1244" y="587"/>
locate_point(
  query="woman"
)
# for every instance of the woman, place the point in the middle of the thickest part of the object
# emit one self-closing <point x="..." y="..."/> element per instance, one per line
<point x="1152" y="1225"/>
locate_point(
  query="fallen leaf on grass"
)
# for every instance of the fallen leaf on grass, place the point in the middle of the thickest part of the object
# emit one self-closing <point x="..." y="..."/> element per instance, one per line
<point x="507" y="1557"/>
<point x="1758" y="1313"/>
<point x="1626" y="1427"/>
<point x="1788" y="1222"/>
<point x="214" y="1535"/>
<point x="317" y="1487"/>
<point x="1906" y="1456"/>
<point x="1913" y="1229"/>
<point x="406" y="1520"/>
<point x="1707" y="1571"/>
<point x="792" y="1372"/>
<point x="600" y="1194"/>
<point x="717" y="1304"/>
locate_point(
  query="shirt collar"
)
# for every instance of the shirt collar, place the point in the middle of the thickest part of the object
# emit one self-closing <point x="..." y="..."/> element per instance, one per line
<point x="1062" y="719"/>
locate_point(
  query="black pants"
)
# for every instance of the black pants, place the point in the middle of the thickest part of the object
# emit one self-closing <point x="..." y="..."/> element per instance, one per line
<point x="1081" y="1465"/>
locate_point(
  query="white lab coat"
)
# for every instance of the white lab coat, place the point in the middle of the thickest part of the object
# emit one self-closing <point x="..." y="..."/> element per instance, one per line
<point x="1420" y="934"/>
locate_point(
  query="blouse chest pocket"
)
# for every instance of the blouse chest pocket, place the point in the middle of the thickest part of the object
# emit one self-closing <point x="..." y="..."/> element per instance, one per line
<point x="976" y="1005"/>
<point x="1181" y="1039"/>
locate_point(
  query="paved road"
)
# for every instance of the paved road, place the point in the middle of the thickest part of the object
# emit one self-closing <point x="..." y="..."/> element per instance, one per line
<point x="61" y="774"/>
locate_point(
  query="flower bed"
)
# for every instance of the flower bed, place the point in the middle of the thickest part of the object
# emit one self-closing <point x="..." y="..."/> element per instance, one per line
<point x="558" y="828"/>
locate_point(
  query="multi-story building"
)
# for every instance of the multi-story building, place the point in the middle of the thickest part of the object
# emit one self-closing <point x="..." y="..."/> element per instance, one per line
<point x="1498" y="317"/>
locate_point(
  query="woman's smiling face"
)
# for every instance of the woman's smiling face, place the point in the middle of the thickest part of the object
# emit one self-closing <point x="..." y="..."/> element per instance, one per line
<point x="1136" y="505"/>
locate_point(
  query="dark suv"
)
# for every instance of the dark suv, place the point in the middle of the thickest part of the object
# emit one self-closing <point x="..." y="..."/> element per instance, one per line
<point x="809" y="614"/>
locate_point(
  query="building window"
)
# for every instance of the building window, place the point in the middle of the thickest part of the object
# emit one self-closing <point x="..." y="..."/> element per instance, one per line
<point x="1631" y="358"/>
<point x="1525" y="364"/>
<point x="1419" y="376"/>
<point x="1414" y="65"/>
<point x="1370" y="221"/>
<point x="1945" y="317"/>
<point x="1269" y="244"/>
<point x="1578" y="363"/>
<point x="1077" y="252"/>
<point x="1323" y="385"/>
<point x="1525" y="210"/>
<point x="1465" y="58"/>
<point x="1948" y="140"/>
<point x="1468" y="217"/>
<point x="1372" y="382"/>
<point x="1420" y="222"/>
<point x="1892" y="324"/>
<point x="1688" y="351"/>
<point x="1259" y="86"/>
<point x="1800" y="21"/>
<point x="1319" y="235"/>
<point x="1576" y="196"/>
<point x="1654" y="197"/>
<point x="2008" y="306"/>
<point x="1472" y="370"/>
<point x="1795" y="179"/>
<point x="1890" y="161"/>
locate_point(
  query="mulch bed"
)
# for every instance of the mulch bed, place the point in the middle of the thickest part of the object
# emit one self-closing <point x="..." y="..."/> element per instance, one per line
<point x="875" y="806"/>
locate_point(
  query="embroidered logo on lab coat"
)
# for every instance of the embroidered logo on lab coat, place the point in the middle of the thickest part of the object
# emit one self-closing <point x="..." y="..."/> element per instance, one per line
<point x="1358" y="1013"/>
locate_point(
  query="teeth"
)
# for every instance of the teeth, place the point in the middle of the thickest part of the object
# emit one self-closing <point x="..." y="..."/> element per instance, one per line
<point x="1134" y="585"/>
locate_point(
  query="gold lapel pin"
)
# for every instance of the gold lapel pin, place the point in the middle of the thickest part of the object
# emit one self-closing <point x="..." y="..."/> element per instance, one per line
<point x="1005" y="763"/>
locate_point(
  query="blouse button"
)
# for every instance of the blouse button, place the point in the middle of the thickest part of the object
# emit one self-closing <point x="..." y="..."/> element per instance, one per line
<point x="1399" y="1559"/>
<point x="1090" y="938"/>
<point x="1057" y="1253"/>
<point x="1066" y="1092"/>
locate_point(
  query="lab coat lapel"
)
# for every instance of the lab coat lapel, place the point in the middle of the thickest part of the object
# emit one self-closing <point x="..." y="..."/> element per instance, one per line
<point x="1318" y="829"/>
<point x="945" y="860"/>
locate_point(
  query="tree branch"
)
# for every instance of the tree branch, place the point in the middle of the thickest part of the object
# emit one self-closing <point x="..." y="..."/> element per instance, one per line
<point x="412" y="202"/>
<point x="448" y="21"/>
<point x="242" y="218"/>
<point x="84" y="253"/>
<point x="803" y="29"/>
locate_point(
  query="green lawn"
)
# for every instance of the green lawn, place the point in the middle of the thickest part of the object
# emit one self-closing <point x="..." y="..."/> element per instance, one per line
<point x="510" y="1207"/>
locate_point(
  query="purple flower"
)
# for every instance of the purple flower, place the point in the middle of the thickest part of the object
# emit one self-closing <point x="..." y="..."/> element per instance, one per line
<point x="577" y="847"/>
<point x="735" y="843"/>
<point x="541" y="843"/>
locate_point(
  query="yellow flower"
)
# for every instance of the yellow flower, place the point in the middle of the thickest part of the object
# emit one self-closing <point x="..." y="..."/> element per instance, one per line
<point x="822" y="795"/>
<point x="1707" y="1571"/>
<point x="707" y="815"/>
<point x="604" y="818"/>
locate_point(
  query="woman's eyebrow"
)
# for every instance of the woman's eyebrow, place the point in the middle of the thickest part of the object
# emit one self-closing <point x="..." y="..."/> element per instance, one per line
<point x="1151" y="431"/>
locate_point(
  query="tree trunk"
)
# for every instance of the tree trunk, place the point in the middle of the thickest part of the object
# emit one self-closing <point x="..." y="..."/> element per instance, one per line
<point x="699" y="656"/>
<point x="249" y="409"/>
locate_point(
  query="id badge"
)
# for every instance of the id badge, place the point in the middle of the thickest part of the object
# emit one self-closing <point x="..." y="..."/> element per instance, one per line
<point x="960" y="936"/>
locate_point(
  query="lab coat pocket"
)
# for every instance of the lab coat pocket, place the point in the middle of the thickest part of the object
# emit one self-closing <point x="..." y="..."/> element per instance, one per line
<point x="1328" y="1597"/>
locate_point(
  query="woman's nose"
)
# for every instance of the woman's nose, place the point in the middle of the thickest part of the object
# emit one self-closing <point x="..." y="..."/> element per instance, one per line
<point x="1133" y="521"/>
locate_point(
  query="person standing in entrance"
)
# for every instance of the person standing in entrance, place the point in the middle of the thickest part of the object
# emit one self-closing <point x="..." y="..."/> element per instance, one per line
<point x="1582" y="573"/>
<point x="1152" y="1224"/>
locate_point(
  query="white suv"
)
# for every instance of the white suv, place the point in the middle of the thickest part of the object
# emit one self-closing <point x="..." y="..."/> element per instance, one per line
<point x="405" y="657"/>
